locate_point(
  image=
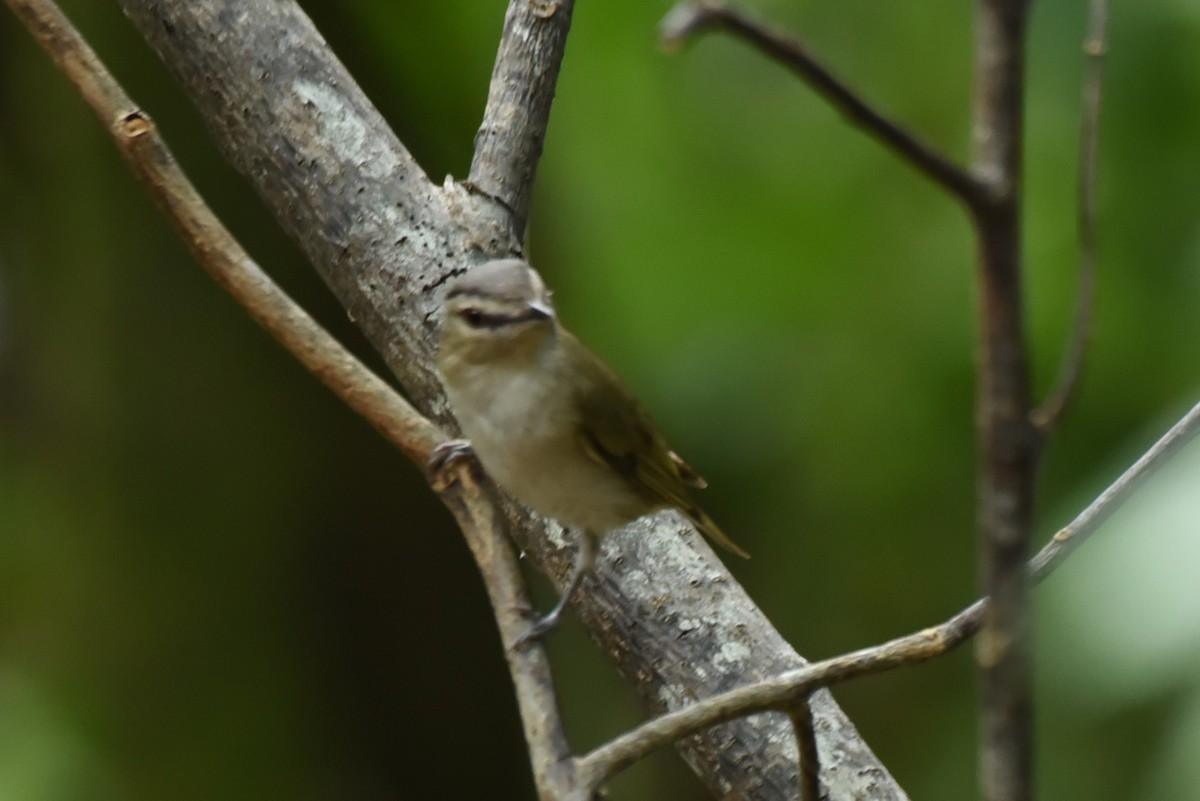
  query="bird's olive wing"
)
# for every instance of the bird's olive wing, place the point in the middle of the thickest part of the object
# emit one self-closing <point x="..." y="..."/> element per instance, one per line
<point x="615" y="430"/>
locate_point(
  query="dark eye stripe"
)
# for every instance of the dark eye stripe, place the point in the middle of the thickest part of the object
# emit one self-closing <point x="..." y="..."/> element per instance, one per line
<point x="479" y="319"/>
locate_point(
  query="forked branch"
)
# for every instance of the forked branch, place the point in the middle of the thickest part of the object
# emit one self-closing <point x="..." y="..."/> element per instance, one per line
<point x="784" y="691"/>
<point x="689" y="19"/>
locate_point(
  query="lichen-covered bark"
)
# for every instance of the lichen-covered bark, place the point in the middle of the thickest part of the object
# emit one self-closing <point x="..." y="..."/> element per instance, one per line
<point x="682" y="628"/>
<point x="385" y="239"/>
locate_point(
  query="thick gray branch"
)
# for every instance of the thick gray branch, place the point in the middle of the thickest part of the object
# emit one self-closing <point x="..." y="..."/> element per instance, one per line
<point x="287" y="114"/>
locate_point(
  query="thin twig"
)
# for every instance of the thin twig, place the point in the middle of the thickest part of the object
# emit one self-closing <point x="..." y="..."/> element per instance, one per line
<point x="1099" y="510"/>
<point x="688" y="19"/>
<point x="1047" y="416"/>
<point x="509" y="143"/>
<point x="550" y="755"/>
<point x="779" y="692"/>
<point x="215" y="247"/>
<point x="809" y="761"/>
<point x="782" y="692"/>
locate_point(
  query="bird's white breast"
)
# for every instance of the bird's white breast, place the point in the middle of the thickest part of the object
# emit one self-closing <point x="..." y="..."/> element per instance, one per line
<point x="523" y="428"/>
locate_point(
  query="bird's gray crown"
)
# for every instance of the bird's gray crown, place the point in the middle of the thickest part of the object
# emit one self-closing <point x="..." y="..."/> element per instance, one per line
<point x="504" y="280"/>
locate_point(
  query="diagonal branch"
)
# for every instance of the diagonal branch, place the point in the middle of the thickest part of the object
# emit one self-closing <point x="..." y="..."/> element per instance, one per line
<point x="691" y="18"/>
<point x="784" y="691"/>
<point x="778" y="692"/>
<point x="1099" y="510"/>
<point x="553" y="768"/>
<point x="1047" y="416"/>
<point x="509" y="143"/>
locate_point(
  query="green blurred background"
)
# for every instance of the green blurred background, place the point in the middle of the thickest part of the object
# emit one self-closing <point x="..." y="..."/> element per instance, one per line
<point x="216" y="582"/>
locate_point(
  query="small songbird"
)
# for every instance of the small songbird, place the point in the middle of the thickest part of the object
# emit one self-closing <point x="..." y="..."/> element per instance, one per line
<point x="549" y="421"/>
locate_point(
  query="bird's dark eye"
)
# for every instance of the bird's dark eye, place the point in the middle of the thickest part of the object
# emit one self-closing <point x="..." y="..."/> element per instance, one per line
<point x="472" y="315"/>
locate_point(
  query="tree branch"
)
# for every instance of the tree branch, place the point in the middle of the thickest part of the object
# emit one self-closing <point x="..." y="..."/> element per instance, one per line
<point x="553" y="766"/>
<point x="688" y="19"/>
<point x="509" y="143"/>
<point x="666" y="618"/>
<point x="809" y="762"/>
<point x="784" y="691"/>
<point x="779" y="692"/>
<point x="1007" y="441"/>
<point x="1073" y="535"/>
<point x="1050" y="413"/>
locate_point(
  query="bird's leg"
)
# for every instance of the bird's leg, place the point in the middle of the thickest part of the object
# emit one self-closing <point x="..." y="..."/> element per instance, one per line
<point x="585" y="559"/>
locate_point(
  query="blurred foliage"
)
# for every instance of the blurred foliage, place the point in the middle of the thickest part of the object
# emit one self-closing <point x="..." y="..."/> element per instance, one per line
<point x="216" y="582"/>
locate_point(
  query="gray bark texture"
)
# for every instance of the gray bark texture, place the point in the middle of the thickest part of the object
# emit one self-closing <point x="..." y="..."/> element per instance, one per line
<point x="285" y="112"/>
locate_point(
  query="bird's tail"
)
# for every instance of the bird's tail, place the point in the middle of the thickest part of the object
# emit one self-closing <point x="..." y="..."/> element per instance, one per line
<point x="711" y="530"/>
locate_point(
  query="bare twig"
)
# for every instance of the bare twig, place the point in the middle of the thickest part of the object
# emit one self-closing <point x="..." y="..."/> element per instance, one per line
<point x="782" y="692"/>
<point x="509" y="142"/>
<point x="1047" y="416"/>
<point x="550" y="756"/>
<point x="1087" y="521"/>
<point x="691" y="18"/>
<point x="809" y="761"/>
<point x="214" y="247"/>
<point x="779" y="692"/>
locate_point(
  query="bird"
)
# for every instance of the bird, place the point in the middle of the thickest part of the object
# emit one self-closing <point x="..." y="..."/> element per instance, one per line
<point x="549" y="421"/>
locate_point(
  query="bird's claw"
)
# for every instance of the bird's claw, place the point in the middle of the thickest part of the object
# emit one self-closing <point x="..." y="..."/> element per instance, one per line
<point x="538" y="629"/>
<point x="444" y="457"/>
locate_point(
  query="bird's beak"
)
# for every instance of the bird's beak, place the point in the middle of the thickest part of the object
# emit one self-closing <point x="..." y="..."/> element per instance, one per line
<point x="541" y="308"/>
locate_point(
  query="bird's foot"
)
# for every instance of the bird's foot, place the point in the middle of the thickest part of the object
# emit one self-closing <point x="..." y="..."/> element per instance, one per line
<point x="585" y="558"/>
<point x="539" y="628"/>
<point x="444" y="457"/>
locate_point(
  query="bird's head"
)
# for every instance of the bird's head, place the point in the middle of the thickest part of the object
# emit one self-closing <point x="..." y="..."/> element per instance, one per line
<point x="498" y="310"/>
